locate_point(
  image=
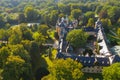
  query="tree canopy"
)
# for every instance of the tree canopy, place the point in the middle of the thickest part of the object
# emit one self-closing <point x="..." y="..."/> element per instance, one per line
<point x="112" y="72"/>
<point x="66" y="70"/>
<point x="77" y="38"/>
<point x="21" y="46"/>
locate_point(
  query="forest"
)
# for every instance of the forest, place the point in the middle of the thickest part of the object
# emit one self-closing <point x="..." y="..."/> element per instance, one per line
<point x="27" y="26"/>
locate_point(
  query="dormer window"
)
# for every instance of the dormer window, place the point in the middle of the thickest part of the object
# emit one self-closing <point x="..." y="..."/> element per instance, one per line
<point x="89" y="61"/>
<point x="102" y="62"/>
<point x="76" y="59"/>
<point x="107" y="62"/>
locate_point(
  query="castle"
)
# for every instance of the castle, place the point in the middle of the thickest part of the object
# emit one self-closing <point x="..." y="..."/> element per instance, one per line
<point x="91" y="64"/>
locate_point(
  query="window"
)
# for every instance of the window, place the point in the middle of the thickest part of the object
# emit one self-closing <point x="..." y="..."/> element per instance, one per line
<point x="102" y="62"/>
<point x="89" y="61"/>
<point x="107" y="62"/>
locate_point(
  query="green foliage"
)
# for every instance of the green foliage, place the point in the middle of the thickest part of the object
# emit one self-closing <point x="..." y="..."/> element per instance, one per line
<point x="98" y="9"/>
<point x="103" y="14"/>
<point x="77" y="38"/>
<point x="18" y="49"/>
<point x="106" y="23"/>
<point x="35" y="55"/>
<point x="112" y="72"/>
<point x="48" y="61"/>
<point x="63" y="8"/>
<point x="50" y="17"/>
<point x="4" y="35"/>
<point x="90" y="22"/>
<point x="113" y="13"/>
<point x="43" y="29"/>
<point x="15" y="62"/>
<point x="15" y="36"/>
<point x="4" y="53"/>
<point x="53" y="54"/>
<point x="75" y="13"/>
<point x="66" y="70"/>
<point x="13" y="68"/>
<point x="38" y="37"/>
<point x="93" y="76"/>
<point x="26" y="44"/>
<point x="51" y="34"/>
<point x="26" y="32"/>
<point x="2" y="22"/>
<point x="118" y="32"/>
<point x="89" y="14"/>
<point x="53" y="17"/>
<point x="61" y="15"/>
<point x="31" y="13"/>
<point x="21" y="18"/>
<point x="12" y="18"/>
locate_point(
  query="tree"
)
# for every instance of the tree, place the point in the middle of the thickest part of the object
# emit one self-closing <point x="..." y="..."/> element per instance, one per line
<point x="118" y="22"/>
<point x="2" y="22"/>
<point x="18" y="50"/>
<point x="62" y="8"/>
<point x="14" y="68"/>
<point x="26" y="32"/>
<point x="26" y="44"/>
<point x="103" y="14"/>
<point x="38" y="37"/>
<point x="45" y="15"/>
<point x="21" y="18"/>
<point x="53" y="17"/>
<point x="66" y="70"/>
<point x="4" y="53"/>
<point x="31" y="13"/>
<point x="75" y="13"/>
<point x="92" y="6"/>
<point x="113" y="13"/>
<point x="106" y="23"/>
<point x="61" y="15"/>
<point x="112" y="72"/>
<point x="77" y="38"/>
<point x="98" y="9"/>
<point x="15" y="36"/>
<point x="90" y="22"/>
<point x="118" y="32"/>
<point x="43" y="29"/>
<point x="89" y="14"/>
<point x="3" y="35"/>
<point x="35" y="55"/>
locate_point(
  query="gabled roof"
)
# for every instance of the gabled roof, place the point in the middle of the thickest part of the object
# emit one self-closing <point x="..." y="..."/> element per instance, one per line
<point x="116" y="50"/>
<point x="89" y="29"/>
<point x="86" y="61"/>
<point x="60" y="55"/>
<point x="103" y="61"/>
<point x="90" y="61"/>
<point x="62" y="24"/>
<point x="116" y="59"/>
